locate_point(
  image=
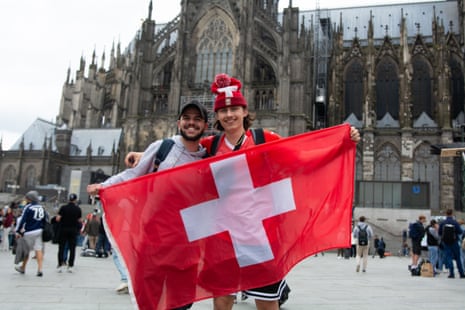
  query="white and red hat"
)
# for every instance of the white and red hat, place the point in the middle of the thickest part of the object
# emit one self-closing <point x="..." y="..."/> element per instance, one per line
<point x="228" y="92"/>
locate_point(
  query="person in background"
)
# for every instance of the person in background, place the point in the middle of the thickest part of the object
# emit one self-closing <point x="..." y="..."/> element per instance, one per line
<point x="450" y="232"/>
<point x="416" y="233"/>
<point x="381" y="249"/>
<point x="30" y="229"/>
<point x="432" y="239"/>
<point x="92" y="230"/>
<point x="363" y="233"/>
<point x="7" y="227"/>
<point x="70" y="218"/>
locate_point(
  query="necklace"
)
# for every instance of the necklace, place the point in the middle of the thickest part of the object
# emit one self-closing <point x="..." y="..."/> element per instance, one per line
<point x="239" y="142"/>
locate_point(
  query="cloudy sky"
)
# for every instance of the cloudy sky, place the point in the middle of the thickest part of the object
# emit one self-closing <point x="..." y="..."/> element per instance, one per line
<point x="41" y="39"/>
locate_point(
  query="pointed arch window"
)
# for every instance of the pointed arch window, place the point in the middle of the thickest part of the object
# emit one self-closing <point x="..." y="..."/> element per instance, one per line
<point x="264" y="83"/>
<point x="353" y="90"/>
<point x="9" y="178"/>
<point x="422" y="92"/>
<point x="31" y="177"/>
<point x="387" y="89"/>
<point x="457" y="91"/>
<point x="214" y="51"/>
<point x="387" y="164"/>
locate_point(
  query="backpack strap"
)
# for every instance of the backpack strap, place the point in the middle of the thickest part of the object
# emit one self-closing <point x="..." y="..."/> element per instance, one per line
<point x="162" y="152"/>
<point x="258" y="135"/>
<point x="215" y="144"/>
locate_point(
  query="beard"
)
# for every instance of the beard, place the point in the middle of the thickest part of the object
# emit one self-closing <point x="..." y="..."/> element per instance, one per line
<point x="191" y="138"/>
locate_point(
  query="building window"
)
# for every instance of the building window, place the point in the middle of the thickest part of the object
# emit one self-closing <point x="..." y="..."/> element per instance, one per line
<point x="264" y="84"/>
<point x="457" y="91"/>
<point x="31" y="177"/>
<point x="214" y="52"/>
<point x="387" y="89"/>
<point x="387" y="164"/>
<point x="353" y="90"/>
<point x="9" y="178"/>
<point x="421" y="88"/>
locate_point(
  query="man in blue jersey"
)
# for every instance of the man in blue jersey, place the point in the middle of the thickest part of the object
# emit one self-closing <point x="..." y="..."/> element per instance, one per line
<point x="30" y="228"/>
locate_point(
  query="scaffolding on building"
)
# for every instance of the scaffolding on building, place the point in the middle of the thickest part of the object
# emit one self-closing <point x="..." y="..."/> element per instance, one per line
<point x="321" y="59"/>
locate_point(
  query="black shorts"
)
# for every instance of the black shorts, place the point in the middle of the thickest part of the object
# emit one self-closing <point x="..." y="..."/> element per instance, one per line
<point x="268" y="292"/>
<point x="416" y="247"/>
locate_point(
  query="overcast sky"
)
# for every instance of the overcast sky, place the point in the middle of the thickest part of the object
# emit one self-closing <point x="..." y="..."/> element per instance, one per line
<point x="41" y="39"/>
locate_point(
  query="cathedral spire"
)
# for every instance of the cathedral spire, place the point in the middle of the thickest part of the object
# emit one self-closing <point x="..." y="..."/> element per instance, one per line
<point x="68" y="74"/>
<point x="112" y="56"/>
<point x="103" y="59"/>
<point x="150" y="10"/>
<point x="93" y="58"/>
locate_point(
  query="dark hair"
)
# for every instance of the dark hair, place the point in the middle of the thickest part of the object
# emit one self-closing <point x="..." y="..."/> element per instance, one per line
<point x="362" y="219"/>
<point x="433" y="222"/>
<point x="449" y="212"/>
<point x="247" y="123"/>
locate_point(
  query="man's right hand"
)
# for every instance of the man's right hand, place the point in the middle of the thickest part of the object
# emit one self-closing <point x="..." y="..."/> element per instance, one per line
<point x="93" y="189"/>
<point x="132" y="159"/>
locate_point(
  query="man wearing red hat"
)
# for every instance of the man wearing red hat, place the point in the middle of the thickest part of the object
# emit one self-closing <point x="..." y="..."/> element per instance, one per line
<point x="234" y="120"/>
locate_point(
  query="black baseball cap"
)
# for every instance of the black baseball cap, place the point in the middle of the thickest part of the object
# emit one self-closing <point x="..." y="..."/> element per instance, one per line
<point x="195" y="104"/>
<point x="72" y="197"/>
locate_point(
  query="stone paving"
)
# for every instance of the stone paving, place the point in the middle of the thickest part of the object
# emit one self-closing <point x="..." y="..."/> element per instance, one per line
<point x="322" y="282"/>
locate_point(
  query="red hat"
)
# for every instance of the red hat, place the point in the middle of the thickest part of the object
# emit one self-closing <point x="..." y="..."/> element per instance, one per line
<point x="227" y="90"/>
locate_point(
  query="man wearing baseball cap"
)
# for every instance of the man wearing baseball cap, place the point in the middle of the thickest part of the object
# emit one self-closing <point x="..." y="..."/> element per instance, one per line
<point x="192" y="123"/>
<point x="70" y="220"/>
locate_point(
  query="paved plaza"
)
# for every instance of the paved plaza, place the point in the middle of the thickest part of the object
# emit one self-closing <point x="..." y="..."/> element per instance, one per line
<point x="322" y="282"/>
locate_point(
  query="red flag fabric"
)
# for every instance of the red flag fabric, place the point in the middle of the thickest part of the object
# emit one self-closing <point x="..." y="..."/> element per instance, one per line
<point x="233" y="222"/>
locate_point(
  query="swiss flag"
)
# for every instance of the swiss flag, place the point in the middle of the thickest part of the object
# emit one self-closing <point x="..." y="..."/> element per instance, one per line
<point x="233" y="222"/>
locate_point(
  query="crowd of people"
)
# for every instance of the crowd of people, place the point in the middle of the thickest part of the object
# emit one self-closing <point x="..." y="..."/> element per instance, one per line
<point x="22" y="224"/>
<point x="443" y="241"/>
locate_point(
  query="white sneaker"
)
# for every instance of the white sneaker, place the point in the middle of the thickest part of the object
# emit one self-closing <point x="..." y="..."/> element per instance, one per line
<point x="70" y="269"/>
<point x="60" y="269"/>
<point x="122" y="288"/>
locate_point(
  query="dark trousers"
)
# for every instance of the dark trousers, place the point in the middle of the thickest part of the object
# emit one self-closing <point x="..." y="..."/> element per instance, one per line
<point x="103" y="246"/>
<point x="452" y="252"/>
<point x="67" y="237"/>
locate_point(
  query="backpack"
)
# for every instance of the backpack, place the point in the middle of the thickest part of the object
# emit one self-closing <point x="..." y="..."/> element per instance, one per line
<point x="448" y="234"/>
<point x="48" y="232"/>
<point x="258" y="136"/>
<point x="162" y="152"/>
<point x="363" y="235"/>
<point x="416" y="231"/>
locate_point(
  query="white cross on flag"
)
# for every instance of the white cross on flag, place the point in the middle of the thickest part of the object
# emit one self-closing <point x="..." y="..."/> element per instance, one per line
<point x="233" y="222"/>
